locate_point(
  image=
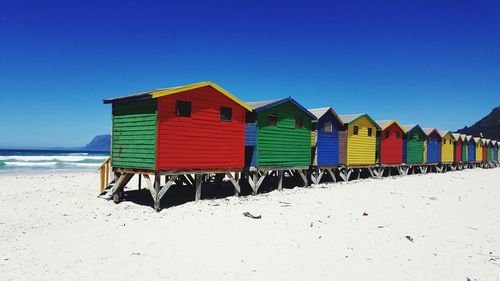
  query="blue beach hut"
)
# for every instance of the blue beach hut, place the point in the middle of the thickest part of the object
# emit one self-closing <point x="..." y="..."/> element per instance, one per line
<point x="325" y="136"/>
<point x="433" y="145"/>
<point x="471" y="149"/>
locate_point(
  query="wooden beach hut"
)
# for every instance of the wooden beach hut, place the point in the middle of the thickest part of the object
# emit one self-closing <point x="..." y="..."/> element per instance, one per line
<point x="433" y="146"/>
<point x="471" y="148"/>
<point x="457" y="148"/>
<point x="360" y="140"/>
<point x="278" y="134"/>
<point x="447" y="147"/>
<point x="414" y="144"/>
<point x="390" y="142"/>
<point x="464" y="148"/>
<point x="196" y="127"/>
<point x="479" y="149"/>
<point x="489" y="150"/>
<point x="325" y="137"/>
<point x="484" y="158"/>
<point x="495" y="150"/>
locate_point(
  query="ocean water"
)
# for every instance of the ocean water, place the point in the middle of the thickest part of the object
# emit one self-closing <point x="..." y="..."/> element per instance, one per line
<point x="27" y="160"/>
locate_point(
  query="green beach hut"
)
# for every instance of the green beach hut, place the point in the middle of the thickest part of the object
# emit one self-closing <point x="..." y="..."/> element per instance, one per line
<point x="414" y="144"/>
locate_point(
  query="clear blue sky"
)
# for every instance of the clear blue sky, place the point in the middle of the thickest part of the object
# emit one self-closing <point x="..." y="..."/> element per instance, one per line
<point x="436" y="63"/>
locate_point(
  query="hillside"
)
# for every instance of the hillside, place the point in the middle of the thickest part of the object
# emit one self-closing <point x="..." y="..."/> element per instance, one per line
<point x="489" y="126"/>
<point x="98" y="143"/>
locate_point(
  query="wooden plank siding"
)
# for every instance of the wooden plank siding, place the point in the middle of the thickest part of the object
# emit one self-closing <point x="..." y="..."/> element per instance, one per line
<point x="447" y="148"/>
<point x="361" y="148"/>
<point x="203" y="140"/>
<point x="391" y="145"/>
<point x="489" y="152"/>
<point x="327" y="145"/>
<point x="283" y="144"/>
<point x="434" y="148"/>
<point x="471" y="153"/>
<point x="464" y="155"/>
<point x="457" y="156"/>
<point x="479" y="151"/>
<point x="134" y="134"/>
<point x="415" y="147"/>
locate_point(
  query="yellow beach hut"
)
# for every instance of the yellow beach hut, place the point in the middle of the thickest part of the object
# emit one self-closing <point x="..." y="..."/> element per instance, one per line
<point x="447" y="147"/>
<point x="359" y="141"/>
<point x="479" y="149"/>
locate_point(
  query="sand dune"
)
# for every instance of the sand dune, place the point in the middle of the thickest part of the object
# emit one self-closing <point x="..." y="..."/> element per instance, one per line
<point x="421" y="227"/>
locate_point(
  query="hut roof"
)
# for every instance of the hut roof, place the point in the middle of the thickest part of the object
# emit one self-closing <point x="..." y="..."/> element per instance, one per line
<point x="174" y="90"/>
<point x="351" y="118"/>
<point x="444" y="133"/>
<point x="319" y="112"/>
<point x="258" y="106"/>
<point x="476" y="140"/>
<point x="469" y="138"/>
<point x="383" y="124"/>
<point x="429" y="131"/>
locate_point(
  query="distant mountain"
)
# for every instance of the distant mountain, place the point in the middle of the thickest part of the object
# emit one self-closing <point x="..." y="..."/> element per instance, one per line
<point x="98" y="143"/>
<point x="489" y="126"/>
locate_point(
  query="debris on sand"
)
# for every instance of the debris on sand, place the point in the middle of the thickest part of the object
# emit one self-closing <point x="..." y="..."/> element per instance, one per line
<point x="409" y="238"/>
<point x="247" y="214"/>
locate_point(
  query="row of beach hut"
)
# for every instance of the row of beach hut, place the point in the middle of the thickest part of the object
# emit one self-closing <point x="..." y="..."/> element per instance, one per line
<point x="203" y="127"/>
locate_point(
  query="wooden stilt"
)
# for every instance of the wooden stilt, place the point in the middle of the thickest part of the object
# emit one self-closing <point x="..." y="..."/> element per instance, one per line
<point x="332" y="174"/>
<point x="198" y="181"/>
<point x="280" y="180"/>
<point x="139" y="182"/>
<point x="237" y="188"/>
<point x="157" y="187"/>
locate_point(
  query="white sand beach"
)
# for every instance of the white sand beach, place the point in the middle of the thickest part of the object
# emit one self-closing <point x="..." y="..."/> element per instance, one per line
<point x="419" y="227"/>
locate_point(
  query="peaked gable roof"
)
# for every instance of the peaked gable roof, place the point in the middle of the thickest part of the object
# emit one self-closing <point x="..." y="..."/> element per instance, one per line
<point x="352" y="118"/>
<point x="320" y="112"/>
<point x="174" y="90"/>
<point x="411" y="127"/>
<point x="476" y="140"/>
<point x="445" y="133"/>
<point x="459" y="137"/>
<point x="258" y="106"/>
<point x="384" y="124"/>
<point x="430" y="131"/>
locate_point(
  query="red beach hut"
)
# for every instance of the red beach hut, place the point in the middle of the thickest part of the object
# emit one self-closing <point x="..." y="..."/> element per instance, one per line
<point x="390" y="147"/>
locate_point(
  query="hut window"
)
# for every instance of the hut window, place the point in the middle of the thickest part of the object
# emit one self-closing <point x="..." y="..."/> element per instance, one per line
<point x="444" y="141"/>
<point x="386" y="134"/>
<point x="298" y="122"/>
<point x="272" y="119"/>
<point x="183" y="108"/>
<point x="313" y="126"/>
<point x="369" y="132"/>
<point x="328" y="128"/>
<point x="397" y="135"/>
<point x="355" y="130"/>
<point x="226" y="113"/>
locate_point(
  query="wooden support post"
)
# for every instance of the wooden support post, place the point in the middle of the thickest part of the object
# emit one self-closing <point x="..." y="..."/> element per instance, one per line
<point x="301" y="174"/>
<point x="198" y="181"/>
<point x="165" y="188"/>
<point x="280" y="180"/>
<point x="332" y="174"/>
<point x="252" y="179"/>
<point x="157" y="187"/>
<point x="359" y="174"/>
<point x="344" y="174"/>
<point x="372" y="172"/>
<point x="139" y="182"/>
<point x="237" y="188"/>
<point x="119" y="185"/>
<point x="149" y="186"/>
<point x="389" y="172"/>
